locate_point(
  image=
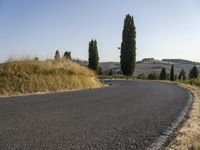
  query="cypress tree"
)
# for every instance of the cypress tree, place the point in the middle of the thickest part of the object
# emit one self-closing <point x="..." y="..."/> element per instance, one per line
<point x="182" y="75"/>
<point x="194" y="72"/>
<point x="172" y="73"/>
<point x="93" y="56"/>
<point x="67" y="55"/>
<point x="57" y="55"/>
<point x="163" y="74"/>
<point x="128" y="47"/>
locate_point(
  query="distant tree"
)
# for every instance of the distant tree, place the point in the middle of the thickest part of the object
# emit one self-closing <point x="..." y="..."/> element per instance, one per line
<point x="175" y="77"/>
<point x="182" y="75"/>
<point x="119" y="72"/>
<point x="168" y="76"/>
<point x="152" y="76"/>
<point x="36" y="58"/>
<point x="194" y="72"/>
<point x="128" y="47"/>
<point x="110" y="73"/>
<point x="163" y="75"/>
<point x="93" y="56"/>
<point x="67" y="55"/>
<point x="142" y="76"/>
<point x="172" y="73"/>
<point x="57" y="55"/>
<point x="100" y="71"/>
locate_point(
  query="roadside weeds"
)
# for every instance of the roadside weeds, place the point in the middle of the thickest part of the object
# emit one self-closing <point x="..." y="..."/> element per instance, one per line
<point x="188" y="136"/>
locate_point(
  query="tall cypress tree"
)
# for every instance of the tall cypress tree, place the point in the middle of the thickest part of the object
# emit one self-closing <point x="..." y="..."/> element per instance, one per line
<point x="128" y="47"/>
<point x="93" y="55"/>
<point x="163" y="74"/>
<point x="172" y="73"/>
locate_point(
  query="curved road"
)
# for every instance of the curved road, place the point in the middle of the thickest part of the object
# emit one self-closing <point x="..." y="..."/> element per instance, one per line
<point x="126" y="115"/>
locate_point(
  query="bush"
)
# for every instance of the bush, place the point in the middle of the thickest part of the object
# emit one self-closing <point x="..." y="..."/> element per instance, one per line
<point x="110" y="73"/>
<point x="142" y="76"/>
<point x="153" y="76"/>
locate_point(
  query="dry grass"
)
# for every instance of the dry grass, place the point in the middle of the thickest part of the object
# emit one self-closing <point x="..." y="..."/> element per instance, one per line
<point x="195" y="82"/>
<point x="30" y="76"/>
<point x="188" y="137"/>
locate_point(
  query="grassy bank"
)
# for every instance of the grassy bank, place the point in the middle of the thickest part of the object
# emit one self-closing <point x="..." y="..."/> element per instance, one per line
<point x="31" y="76"/>
<point x="195" y="82"/>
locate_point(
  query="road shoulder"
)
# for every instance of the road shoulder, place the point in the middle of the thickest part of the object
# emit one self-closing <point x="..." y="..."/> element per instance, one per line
<point x="188" y="136"/>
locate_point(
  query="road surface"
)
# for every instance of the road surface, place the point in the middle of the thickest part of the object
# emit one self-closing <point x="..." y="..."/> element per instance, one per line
<point x="126" y="115"/>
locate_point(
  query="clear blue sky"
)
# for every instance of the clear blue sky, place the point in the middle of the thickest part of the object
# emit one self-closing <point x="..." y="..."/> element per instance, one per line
<point x="165" y="28"/>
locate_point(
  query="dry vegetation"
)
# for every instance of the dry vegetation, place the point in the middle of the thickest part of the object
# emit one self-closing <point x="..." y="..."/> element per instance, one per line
<point x="31" y="76"/>
<point x="188" y="137"/>
<point x="195" y="82"/>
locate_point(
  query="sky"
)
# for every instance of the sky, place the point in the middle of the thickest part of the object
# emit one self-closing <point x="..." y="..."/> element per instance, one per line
<point x="165" y="28"/>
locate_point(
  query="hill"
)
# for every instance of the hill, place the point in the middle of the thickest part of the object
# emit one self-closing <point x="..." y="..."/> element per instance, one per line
<point x="180" y="61"/>
<point x="151" y="65"/>
<point x="30" y="76"/>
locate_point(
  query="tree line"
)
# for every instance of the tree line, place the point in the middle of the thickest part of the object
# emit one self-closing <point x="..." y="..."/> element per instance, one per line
<point x="66" y="56"/>
<point x="128" y="50"/>
<point x="128" y="57"/>
<point x="172" y="76"/>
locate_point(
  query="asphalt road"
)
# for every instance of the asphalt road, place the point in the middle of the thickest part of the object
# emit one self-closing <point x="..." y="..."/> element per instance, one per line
<point x="126" y="115"/>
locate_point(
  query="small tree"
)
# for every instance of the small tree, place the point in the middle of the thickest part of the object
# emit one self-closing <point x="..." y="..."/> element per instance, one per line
<point x="142" y="76"/>
<point x="100" y="71"/>
<point x="163" y="75"/>
<point x="175" y="77"/>
<point x="57" y="55"/>
<point x="194" y="72"/>
<point x="182" y="75"/>
<point x="36" y="58"/>
<point x="93" y="56"/>
<point x="172" y="73"/>
<point x="67" y="55"/>
<point x="152" y="76"/>
<point x="110" y="73"/>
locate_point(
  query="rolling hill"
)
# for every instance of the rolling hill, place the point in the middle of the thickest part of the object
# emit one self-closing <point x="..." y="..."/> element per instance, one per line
<point x="151" y="65"/>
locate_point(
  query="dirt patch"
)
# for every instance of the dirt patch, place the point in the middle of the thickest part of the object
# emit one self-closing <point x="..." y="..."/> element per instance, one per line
<point x="188" y="136"/>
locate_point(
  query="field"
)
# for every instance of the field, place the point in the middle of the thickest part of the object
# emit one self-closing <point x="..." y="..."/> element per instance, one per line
<point x="31" y="76"/>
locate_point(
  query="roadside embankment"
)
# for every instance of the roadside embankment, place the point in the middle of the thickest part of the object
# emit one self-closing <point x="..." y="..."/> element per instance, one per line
<point x="32" y="76"/>
<point x="188" y="136"/>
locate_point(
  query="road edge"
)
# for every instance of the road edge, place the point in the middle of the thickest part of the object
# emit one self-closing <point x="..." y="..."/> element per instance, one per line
<point x="52" y="92"/>
<point x="188" y="135"/>
<point x="161" y="141"/>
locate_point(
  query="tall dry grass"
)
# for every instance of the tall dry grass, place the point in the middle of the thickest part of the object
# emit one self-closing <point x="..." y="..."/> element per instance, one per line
<point x="30" y="76"/>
